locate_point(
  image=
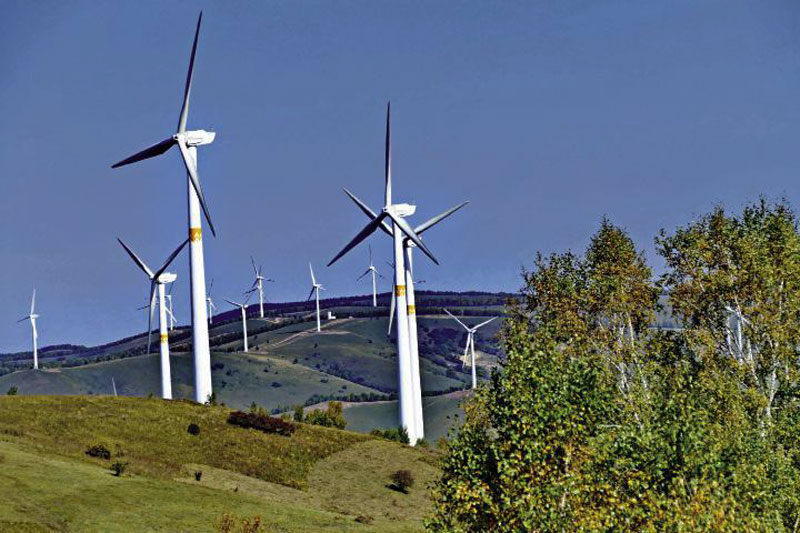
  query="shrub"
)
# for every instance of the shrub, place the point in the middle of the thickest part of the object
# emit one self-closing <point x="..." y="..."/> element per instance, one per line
<point x="99" y="451"/>
<point x="298" y="413"/>
<point x="265" y="423"/>
<point x="198" y="475"/>
<point x="402" y="480"/>
<point x="364" y="519"/>
<point x="119" y="468"/>
<point x="229" y="524"/>
<point x="193" y="429"/>
<point x="12" y="391"/>
<point x="331" y="418"/>
<point x="393" y="434"/>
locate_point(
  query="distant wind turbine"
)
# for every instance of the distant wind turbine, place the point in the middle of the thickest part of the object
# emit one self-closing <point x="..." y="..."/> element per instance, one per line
<point x="157" y="281"/>
<point x="243" y="307"/>
<point x="470" y="347"/>
<point x="258" y="285"/>
<point x="210" y="302"/>
<point x="34" y="335"/>
<point x="315" y="288"/>
<point x="374" y="271"/>
<point x="169" y="307"/>
<point x="187" y="142"/>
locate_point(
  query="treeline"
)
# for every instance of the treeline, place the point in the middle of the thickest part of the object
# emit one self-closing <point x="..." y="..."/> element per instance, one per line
<point x="599" y="422"/>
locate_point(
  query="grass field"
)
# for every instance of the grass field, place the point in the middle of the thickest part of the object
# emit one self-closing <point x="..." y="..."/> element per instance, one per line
<point x="316" y="480"/>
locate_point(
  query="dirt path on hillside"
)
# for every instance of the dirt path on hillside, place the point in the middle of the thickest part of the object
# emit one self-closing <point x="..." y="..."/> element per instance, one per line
<point x="305" y="333"/>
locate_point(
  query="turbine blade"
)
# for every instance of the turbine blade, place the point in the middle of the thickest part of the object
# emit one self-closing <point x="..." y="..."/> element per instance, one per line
<point x="150" y="314"/>
<point x="171" y="258"/>
<point x="466" y="349"/>
<point x="310" y="294"/>
<point x="233" y="303"/>
<point x="210" y="287"/>
<point x="369" y="212"/>
<point x="486" y="322"/>
<point x="23" y="319"/>
<point x="456" y="318"/>
<point x="136" y="260"/>
<point x="195" y="180"/>
<point x="33" y="301"/>
<point x="411" y="234"/>
<point x="169" y="292"/>
<point x="187" y="91"/>
<point x="313" y="279"/>
<point x="363" y="234"/>
<point x="392" y="296"/>
<point x="387" y="194"/>
<point x="362" y="275"/>
<point x="33" y="327"/>
<point x="151" y="151"/>
<point x="438" y="218"/>
<point x="255" y="270"/>
<point x="212" y="305"/>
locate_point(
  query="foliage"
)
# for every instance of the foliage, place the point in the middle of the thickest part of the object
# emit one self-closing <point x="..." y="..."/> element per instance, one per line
<point x="229" y="524"/>
<point x="12" y="391"/>
<point x="332" y="417"/>
<point x="265" y="423"/>
<point x="402" y="480"/>
<point x="598" y="422"/>
<point x="98" y="450"/>
<point x="118" y="468"/>
<point x="198" y="475"/>
<point x="394" y="434"/>
<point x="193" y="429"/>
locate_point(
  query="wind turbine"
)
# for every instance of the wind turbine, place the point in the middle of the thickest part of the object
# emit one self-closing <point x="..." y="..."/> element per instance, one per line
<point x="34" y="335"/>
<point x="409" y="397"/>
<point x="243" y="307"/>
<point x="169" y="307"/>
<point x="210" y="303"/>
<point x="187" y="142"/>
<point x="470" y="347"/>
<point x="375" y="275"/>
<point x="258" y="285"/>
<point x="157" y="281"/>
<point x="315" y="288"/>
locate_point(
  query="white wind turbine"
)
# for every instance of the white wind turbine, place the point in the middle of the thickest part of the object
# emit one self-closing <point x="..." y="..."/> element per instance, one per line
<point x="34" y="335"/>
<point x="187" y="142"/>
<point x="243" y="307"/>
<point x="210" y="303"/>
<point x="157" y="281"/>
<point x="258" y="285"/>
<point x="375" y="275"/>
<point x="409" y="397"/>
<point x="470" y="347"/>
<point x="315" y="288"/>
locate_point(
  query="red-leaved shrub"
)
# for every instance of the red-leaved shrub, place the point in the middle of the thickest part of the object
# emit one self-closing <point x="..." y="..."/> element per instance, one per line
<point x="267" y="424"/>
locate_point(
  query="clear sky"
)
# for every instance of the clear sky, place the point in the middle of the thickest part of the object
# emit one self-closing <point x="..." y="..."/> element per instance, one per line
<point x="546" y="115"/>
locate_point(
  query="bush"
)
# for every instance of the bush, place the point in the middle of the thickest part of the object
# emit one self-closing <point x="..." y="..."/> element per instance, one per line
<point x="198" y="475"/>
<point x="12" y="391"/>
<point x="364" y="519"/>
<point x="229" y="524"/>
<point x="265" y="423"/>
<point x="119" y="468"/>
<point x="402" y="480"/>
<point x="394" y="434"/>
<point x="99" y="451"/>
<point x="193" y="429"/>
<point x="331" y="418"/>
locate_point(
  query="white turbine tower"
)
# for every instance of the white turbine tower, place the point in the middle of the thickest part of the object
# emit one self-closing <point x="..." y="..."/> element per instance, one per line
<point x="157" y="281"/>
<point x="470" y="347"/>
<point x="243" y="307"/>
<point x="187" y="142"/>
<point x="409" y="397"/>
<point x="34" y="335"/>
<point x="258" y="285"/>
<point x="210" y="302"/>
<point x="375" y="274"/>
<point x="315" y="288"/>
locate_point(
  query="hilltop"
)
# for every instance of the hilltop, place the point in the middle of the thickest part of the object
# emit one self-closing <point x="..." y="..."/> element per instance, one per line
<point x="318" y="479"/>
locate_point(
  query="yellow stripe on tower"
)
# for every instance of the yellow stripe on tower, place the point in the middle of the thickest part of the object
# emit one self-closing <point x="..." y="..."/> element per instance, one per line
<point x="412" y="309"/>
<point x="400" y="290"/>
<point x="195" y="234"/>
<point x="164" y="338"/>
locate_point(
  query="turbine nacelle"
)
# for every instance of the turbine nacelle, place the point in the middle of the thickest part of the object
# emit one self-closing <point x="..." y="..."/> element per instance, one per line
<point x="401" y="210"/>
<point x="167" y="277"/>
<point x="195" y="138"/>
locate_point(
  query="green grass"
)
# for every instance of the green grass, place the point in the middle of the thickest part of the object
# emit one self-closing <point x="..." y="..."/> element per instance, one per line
<point x="441" y="414"/>
<point x="241" y="381"/>
<point x="316" y="480"/>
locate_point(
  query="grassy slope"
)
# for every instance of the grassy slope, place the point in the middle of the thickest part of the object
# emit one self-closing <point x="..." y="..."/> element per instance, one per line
<point x="441" y="413"/>
<point x="47" y="482"/>
<point x="139" y="376"/>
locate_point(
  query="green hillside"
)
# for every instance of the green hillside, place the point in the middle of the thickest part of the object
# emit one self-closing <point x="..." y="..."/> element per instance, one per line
<point x="316" y="480"/>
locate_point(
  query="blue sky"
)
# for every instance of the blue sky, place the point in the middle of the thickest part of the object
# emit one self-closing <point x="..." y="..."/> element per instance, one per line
<point x="546" y="115"/>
